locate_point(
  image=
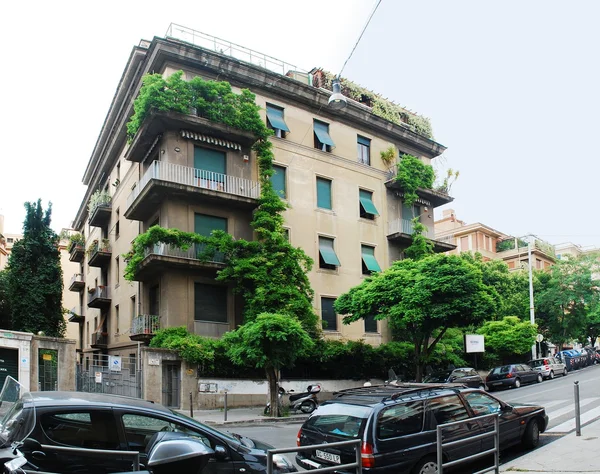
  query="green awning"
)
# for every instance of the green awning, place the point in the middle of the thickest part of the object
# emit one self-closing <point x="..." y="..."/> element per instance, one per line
<point x="366" y="201"/>
<point x="322" y="133"/>
<point x="275" y="116"/>
<point x="327" y="252"/>
<point x="368" y="257"/>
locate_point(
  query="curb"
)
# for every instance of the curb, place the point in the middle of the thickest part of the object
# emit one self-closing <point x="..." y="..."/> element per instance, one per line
<point x="261" y="420"/>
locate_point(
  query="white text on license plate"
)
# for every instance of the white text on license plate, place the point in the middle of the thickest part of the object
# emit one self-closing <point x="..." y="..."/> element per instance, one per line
<point x="328" y="456"/>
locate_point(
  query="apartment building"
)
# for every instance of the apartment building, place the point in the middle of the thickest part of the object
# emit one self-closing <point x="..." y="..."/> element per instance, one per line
<point x="492" y="244"/>
<point x="186" y="172"/>
<point x="6" y="243"/>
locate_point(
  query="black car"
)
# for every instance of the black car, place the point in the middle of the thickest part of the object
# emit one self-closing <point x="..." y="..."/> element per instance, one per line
<point x="397" y="426"/>
<point x="512" y="375"/>
<point x="108" y="422"/>
<point x="464" y="375"/>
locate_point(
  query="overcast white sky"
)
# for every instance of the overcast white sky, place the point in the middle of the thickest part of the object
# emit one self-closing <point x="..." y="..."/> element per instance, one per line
<point x="511" y="88"/>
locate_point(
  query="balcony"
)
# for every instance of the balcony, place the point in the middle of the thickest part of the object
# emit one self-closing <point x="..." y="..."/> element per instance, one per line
<point x="429" y="197"/>
<point x="75" y="315"/>
<point x="143" y="327"/>
<point x="76" y="251"/>
<point x="400" y="232"/>
<point x="510" y="248"/>
<point x="100" y="216"/>
<point x="98" y="297"/>
<point x="77" y="282"/>
<point x="99" y="340"/>
<point x="162" y="256"/>
<point x="99" y="254"/>
<point x="162" y="179"/>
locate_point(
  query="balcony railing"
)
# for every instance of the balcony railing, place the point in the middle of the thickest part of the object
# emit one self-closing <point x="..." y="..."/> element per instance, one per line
<point x="76" y="315"/>
<point x="99" y="339"/>
<point x="99" y="254"/>
<point x="98" y="297"/>
<point x="77" y="282"/>
<point x="405" y="226"/>
<point x="198" y="178"/>
<point x="191" y="253"/>
<point x="76" y="251"/>
<point x="144" y="324"/>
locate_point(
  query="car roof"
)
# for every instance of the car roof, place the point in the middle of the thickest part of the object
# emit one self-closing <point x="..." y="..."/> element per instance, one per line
<point x="376" y="394"/>
<point x="84" y="399"/>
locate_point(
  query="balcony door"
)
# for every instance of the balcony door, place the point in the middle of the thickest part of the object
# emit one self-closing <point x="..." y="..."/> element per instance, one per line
<point x="210" y="168"/>
<point x="154" y="300"/>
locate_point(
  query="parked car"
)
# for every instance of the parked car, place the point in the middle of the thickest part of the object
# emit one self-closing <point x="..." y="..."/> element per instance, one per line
<point x="108" y="422"/>
<point x="513" y="375"/>
<point x="397" y="426"/>
<point x="464" y="375"/>
<point x="549" y="367"/>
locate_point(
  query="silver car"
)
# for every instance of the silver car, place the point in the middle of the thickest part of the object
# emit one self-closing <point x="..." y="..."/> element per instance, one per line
<point x="549" y="367"/>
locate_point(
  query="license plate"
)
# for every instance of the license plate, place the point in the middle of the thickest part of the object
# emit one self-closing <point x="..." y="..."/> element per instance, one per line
<point x="328" y="456"/>
<point x="497" y="383"/>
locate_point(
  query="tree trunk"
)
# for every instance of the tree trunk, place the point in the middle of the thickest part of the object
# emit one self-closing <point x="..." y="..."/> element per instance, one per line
<point x="418" y="362"/>
<point x="273" y="390"/>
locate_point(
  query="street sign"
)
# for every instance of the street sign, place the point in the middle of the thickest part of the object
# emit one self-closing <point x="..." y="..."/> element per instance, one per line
<point x="474" y="343"/>
<point x="115" y="363"/>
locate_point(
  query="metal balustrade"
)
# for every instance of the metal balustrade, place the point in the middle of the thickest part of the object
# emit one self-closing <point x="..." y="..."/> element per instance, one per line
<point x="192" y="252"/>
<point x="406" y="226"/>
<point x="198" y="178"/>
<point x="145" y="324"/>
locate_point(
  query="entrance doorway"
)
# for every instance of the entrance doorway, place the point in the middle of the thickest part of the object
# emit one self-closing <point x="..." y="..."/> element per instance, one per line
<point x="171" y="384"/>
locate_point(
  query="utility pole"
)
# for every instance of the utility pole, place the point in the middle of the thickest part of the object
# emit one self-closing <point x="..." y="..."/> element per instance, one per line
<point x="531" y="306"/>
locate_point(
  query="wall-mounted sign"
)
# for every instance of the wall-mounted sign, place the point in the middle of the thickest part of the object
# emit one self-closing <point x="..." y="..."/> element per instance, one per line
<point x="474" y="343"/>
<point x="98" y="377"/>
<point x="153" y="361"/>
<point x="114" y="363"/>
<point x="47" y="356"/>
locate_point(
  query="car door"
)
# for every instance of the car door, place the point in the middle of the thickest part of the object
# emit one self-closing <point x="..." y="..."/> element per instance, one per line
<point x="78" y="428"/>
<point x="522" y="373"/>
<point x="449" y="408"/>
<point x="139" y="427"/>
<point x="532" y="374"/>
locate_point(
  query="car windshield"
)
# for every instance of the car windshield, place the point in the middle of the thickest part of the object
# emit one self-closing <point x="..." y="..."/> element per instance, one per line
<point x="437" y="377"/>
<point x="346" y="421"/>
<point x="536" y="363"/>
<point x="16" y="420"/>
<point x="505" y="369"/>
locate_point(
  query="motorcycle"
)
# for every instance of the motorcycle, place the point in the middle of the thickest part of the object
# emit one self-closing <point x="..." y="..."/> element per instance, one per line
<point x="306" y="402"/>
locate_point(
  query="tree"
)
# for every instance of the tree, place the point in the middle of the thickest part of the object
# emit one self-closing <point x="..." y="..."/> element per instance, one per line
<point x="422" y="299"/>
<point x="420" y="245"/>
<point x="508" y="337"/>
<point x="566" y="295"/>
<point x="34" y="276"/>
<point x="272" y="342"/>
<point x="4" y="303"/>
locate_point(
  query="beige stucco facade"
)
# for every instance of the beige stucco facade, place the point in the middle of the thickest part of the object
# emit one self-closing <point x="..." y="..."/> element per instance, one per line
<point x="153" y="180"/>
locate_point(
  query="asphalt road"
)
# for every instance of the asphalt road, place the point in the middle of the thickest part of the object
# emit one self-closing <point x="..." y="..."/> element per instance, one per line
<point x="556" y="395"/>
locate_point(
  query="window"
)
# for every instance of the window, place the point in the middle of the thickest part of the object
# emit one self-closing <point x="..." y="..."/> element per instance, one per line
<point x="9" y="240"/>
<point x="488" y="243"/>
<point x="327" y="257"/>
<point x="482" y="404"/>
<point x="447" y="409"/>
<point x="94" y="429"/>
<point x="209" y="168"/>
<point x="117" y="319"/>
<point x="364" y="150"/>
<point x="369" y="263"/>
<point x="132" y="364"/>
<point x="154" y="300"/>
<point x="409" y="213"/>
<point x="371" y="324"/>
<point x="133" y="308"/>
<point x="275" y="121"/>
<point x="367" y="208"/>
<point x="205" y="225"/>
<point x="117" y="225"/>
<point x="400" y="420"/>
<point x="464" y="243"/>
<point x="324" y="193"/>
<point x="210" y="303"/>
<point x="117" y="271"/>
<point x="286" y="234"/>
<point x="538" y="263"/>
<point x="323" y="141"/>
<point x="328" y="316"/>
<point x="278" y="181"/>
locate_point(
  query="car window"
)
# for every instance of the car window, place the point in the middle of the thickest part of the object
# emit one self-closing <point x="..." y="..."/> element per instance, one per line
<point x="139" y="429"/>
<point x="473" y="373"/>
<point x="399" y="420"/>
<point x="447" y="409"/>
<point x="519" y="368"/>
<point x="536" y="363"/>
<point x="525" y="367"/>
<point x="82" y="429"/>
<point x="505" y="369"/>
<point x="482" y="404"/>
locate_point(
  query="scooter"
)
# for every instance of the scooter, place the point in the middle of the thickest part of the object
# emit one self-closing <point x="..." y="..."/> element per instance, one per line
<point x="306" y="402"/>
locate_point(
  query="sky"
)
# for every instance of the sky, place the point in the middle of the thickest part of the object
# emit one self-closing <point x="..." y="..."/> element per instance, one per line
<point x="511" y="88"/>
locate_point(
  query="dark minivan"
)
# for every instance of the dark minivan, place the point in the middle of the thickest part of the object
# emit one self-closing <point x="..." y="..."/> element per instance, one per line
<point x="397" y="426"/>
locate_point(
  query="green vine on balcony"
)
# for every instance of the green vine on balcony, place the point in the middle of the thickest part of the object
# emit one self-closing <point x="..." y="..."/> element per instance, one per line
<point x="76" y="240"/>
<point x="99" y="198"/>
<point x="380" y="106"/>
<point x="412" y="175"/>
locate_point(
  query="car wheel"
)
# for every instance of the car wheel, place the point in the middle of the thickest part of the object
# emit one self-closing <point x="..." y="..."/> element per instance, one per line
<point x="551" y="374"/>
<point x="540" y="378"/>
<point x="426" y="466"/>
<point x="308" y="406"/>
<point x="517" y="383"/>
<point x="565" y="372"/>
<point x="531" y="438"/>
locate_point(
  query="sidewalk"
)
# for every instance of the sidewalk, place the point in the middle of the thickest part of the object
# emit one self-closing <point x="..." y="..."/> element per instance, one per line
<point x="567" y="455"/>
<point x="238" y="416"/>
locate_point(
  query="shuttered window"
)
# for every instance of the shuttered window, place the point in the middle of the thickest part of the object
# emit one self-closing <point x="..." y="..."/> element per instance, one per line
<point x="205" y="224"/>
<point x="210" y="303"/>
<point x="324" y="193"/>
<point x="328" y="316"/>
<point x="363" y="146"/>
<point x="327" y="256"/>
<point x="369" y="262"/>
<point x="367" y="208"/>
<point x="275" y="120"/>
<point x="278" y="181"/>
<point x="323" y="141"/>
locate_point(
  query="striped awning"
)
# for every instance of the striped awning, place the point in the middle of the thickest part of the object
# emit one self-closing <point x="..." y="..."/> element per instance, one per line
<point x="211" y="140"/>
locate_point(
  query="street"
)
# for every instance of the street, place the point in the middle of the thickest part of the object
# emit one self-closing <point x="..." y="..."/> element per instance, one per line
<point x="555" y="395"/>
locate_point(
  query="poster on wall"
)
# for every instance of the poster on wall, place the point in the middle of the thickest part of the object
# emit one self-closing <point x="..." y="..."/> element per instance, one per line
<point x="474" y="343"/>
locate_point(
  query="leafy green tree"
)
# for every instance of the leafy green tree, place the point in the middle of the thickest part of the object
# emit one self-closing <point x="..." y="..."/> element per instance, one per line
<point x="420" y="245"/>
<point x="508" y="338"/>
<point x="5" y="319"/>
<point x="34" y="276"/>
<point x="272" y="342"/>
<point x="423" y="299"/>
<point x="566" y="295"/>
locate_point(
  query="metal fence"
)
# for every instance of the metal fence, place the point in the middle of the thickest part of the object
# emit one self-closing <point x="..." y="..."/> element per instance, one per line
<point x="113" y="375"/>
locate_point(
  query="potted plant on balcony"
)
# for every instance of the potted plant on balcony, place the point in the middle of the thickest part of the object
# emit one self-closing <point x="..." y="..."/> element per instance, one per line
<point x="76" y="240"/>
<point x="93" y="247"/>
<point x="99" y="198"/>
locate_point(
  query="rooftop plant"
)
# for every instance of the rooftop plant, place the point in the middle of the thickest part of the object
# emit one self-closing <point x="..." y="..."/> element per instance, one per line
<point x="412" y="175"/>
<point x="380" y="106"/>
<point x="99" y="198"/>
<point x="213" y="100"/>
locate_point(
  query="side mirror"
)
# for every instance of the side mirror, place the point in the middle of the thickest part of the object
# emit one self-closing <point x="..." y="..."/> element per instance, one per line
<point x="506" y="407"/>
<point x="220" y="452"/>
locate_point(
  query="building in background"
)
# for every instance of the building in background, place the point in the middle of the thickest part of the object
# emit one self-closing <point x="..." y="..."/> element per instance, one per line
<point x="6" y="243"/>
<point x="182" y="171"/>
